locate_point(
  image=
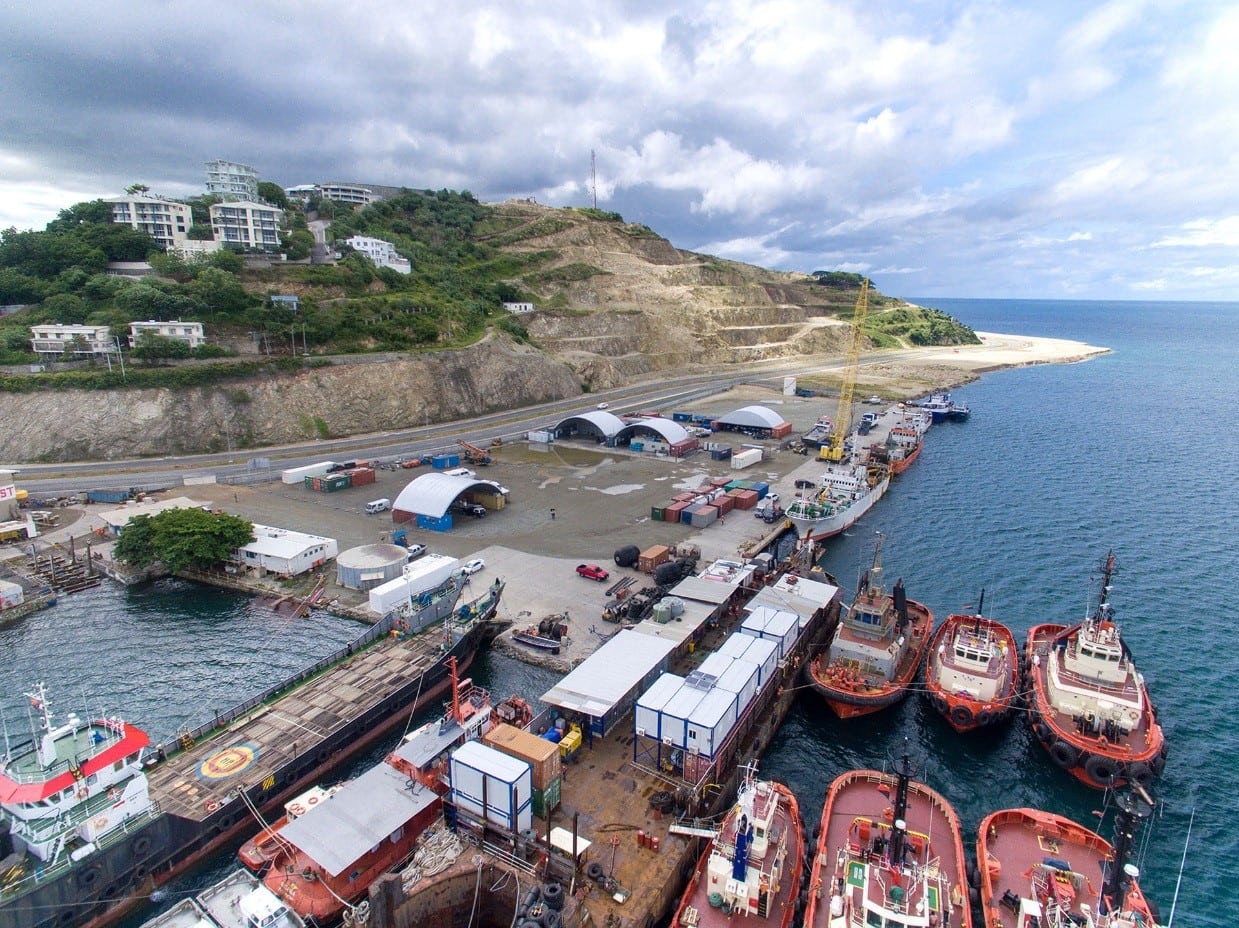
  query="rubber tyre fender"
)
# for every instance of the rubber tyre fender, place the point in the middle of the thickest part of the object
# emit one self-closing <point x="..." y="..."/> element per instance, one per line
<point x="1103" y="770"/>
<point x="141" y="846"/>
<point x="961" y="715"/>
<point x="553" y="896"/>
<point x="552" y="918"/>
<point x="986" y="717"/>
<point x="939" y="702"/>
<point x="1141" y="774"/>
<point x="1064" y="754"/>
<point x="89" y="876"/>
<point x="1044" y="733"/>
<point x="595" y="871"/>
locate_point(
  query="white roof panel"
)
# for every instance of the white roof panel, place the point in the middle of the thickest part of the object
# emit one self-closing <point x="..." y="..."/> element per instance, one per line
<point x="433" y="494"/>
<point x="609" y="674"/>
<point x="753" y="417"/>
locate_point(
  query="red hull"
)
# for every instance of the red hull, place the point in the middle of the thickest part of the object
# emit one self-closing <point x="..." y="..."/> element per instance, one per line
<point x="963" y="712"/>
<point x="1096" y="761"/>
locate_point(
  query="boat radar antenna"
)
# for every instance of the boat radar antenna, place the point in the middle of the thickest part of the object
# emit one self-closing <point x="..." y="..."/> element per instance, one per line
<point x="873" y="579"/>
<point x="38" y="701"/>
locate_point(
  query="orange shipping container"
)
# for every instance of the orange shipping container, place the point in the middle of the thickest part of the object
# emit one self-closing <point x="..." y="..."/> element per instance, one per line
<point x="652" y="557"/>
<point x="542" y="755"/>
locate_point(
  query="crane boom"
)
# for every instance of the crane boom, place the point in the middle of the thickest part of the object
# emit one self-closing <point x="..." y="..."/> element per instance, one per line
<point x="834" y="451"/>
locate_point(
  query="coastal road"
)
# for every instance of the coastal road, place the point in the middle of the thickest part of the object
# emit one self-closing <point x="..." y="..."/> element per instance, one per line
<point x="151" y="474"/>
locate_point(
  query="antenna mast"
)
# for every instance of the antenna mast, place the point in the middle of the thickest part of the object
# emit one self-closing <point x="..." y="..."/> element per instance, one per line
<point x="593" y="178"/>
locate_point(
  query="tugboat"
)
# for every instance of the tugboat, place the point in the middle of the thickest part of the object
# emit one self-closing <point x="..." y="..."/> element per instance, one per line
<point x="327" y="857"/>
<point x="752" y="867"/>
<point x="972" y="675"/>
<point x="240" y="901"/>
<point x="258" y="852"/>
<point x="889" y="853"/>
<point x="876" y="650"/>
<point x="900" y="450"/>
<point x="1089" y="707"/>
<point x="939" y="405"/>
<point x="1041" y="869"/>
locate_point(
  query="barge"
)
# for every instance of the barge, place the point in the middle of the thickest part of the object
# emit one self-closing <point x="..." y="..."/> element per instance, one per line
<point x="208" y="787"/>
<point x="638" y="806"/>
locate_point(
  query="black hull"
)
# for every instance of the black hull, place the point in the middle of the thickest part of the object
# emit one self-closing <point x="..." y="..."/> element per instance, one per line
<point x="169" y="845"/>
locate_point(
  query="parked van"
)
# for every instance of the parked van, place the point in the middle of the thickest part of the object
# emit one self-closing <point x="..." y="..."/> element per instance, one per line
<point x="377" y="505"/>
<point x="461" y="472"/>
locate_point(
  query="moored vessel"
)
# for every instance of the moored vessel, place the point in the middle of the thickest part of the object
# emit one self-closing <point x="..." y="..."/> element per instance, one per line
<point x="876" y="650"/>
<point x="1088" y="705"/>
<point x="938" y="405"/>
<point x="201" y="786"/>
<point x="752" y="868"/>
<point x="1037" y="868"/>
<point x="240" y="901"/>
<point x="972" y="673"/>
<point x="327" y="857"/>
<point x="845" y="493"/>
<point x="889" y="853"/>
<point x="900" y="450"/>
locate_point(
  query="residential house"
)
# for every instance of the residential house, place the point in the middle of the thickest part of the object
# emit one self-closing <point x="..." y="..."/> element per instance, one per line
<point x="54" y="339"/>
<point x="285" y="552"/>
<point x="182" y="331"/>
<point x="382" y="253"/>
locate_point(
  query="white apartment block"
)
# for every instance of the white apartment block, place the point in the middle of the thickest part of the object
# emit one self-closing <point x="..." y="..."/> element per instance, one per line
<point x="247" y="225"/>
<point x="166" y="221"/>
<point x="231" y="180"/>
<point x="193" y="248"/>
<point x="382" y="253"/>
<point x="183" y="331"/>
<point x="347" y="193"/>
<point x="53" y="340"/>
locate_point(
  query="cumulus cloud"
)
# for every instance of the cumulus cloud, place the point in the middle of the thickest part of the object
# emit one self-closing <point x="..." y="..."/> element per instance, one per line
<point x="968" y="148"/>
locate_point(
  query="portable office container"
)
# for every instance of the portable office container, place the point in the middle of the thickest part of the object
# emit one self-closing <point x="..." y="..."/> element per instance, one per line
<point x="780" y="627"/>
<point x="761" y="652"/>
<point x="650" y="704"/>
<point x="711" y="721"/>
<point x="505" y="782"/>
<point x="673" y="720"/>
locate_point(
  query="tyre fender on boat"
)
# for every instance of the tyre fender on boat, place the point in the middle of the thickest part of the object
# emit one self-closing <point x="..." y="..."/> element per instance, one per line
<point x="1141" y="774"/>
<point x="985" y="717"/>
<point x="939" y="702"/>
<point x="1064" y="754"/>
<point x="1044" y="733"/>
<point x="961" y="715"/>
<point x="1102" y="770"/>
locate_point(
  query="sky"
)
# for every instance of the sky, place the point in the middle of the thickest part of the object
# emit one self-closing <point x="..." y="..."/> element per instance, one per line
<point x="1055" y="149"/>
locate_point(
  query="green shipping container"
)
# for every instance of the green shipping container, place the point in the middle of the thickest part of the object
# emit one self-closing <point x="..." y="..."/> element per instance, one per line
<point x="545" y="801"/>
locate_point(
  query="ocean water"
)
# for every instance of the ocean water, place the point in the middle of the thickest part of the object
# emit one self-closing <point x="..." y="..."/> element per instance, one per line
<point x="1133" y="451"/>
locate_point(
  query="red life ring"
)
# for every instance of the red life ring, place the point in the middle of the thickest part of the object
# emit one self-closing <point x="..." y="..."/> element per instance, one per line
<point x="312" y="801"/>
<point x="212" y="805"/>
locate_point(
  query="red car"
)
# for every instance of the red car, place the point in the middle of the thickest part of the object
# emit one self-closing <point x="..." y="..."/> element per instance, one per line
<point x="592" y="571"/>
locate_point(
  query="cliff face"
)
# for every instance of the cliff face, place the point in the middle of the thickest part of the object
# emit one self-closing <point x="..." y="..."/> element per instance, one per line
<point x="617" y="303"/>
<point x="374" y="396"/>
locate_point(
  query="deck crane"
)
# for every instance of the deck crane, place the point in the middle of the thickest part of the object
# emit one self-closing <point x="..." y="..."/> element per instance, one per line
<point x="834" y="450"/>
<point x="474" y="454"/>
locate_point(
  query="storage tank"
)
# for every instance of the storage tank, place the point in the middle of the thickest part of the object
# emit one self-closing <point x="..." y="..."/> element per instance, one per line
<point x="368" y="566"/>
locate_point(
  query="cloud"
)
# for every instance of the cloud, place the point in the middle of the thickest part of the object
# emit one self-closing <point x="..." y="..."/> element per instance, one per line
<point x="972" y="147"/>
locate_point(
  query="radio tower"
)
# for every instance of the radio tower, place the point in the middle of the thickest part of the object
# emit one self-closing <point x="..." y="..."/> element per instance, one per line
<point x="593" y="178"/>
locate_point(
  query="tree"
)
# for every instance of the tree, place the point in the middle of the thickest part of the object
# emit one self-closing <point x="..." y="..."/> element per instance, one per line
<point x="137" y="190"/>
<point x="152" y="346"/>
<point x="220" y="291"/>
<point x="297" y="245"/>
<point x="273" y="194"/>
<point x="200" y="233"/>
<point x="182" y="539"/>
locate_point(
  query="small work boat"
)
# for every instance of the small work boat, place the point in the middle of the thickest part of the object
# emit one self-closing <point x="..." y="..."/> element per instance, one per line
<point x="1037" y="868"/>
<point x="1088" y="705"/>
<point x="972" y="674"/>
<point x="876" y="650"/>
<point x="547" y="635"/>
<point x="889" y="853"/>
<point x="752" y="867"/>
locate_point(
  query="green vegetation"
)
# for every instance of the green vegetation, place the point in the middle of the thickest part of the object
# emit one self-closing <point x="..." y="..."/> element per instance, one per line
<point x="182" y="538"/>
<point x="919" y="326"/>
<point x="840" y="280"/>
<point x="599" y="214"/>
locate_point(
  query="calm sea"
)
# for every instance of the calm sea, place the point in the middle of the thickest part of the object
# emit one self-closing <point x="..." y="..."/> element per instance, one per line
<point x="1133" y="451"/>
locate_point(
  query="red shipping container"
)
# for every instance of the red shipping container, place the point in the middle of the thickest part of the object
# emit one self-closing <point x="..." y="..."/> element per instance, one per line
<point x="746" y="499"/>
<point x="672" y="512"/>
<point x="361" y="476"/>
<point x="720" y="481"/>
<point x="781" y="431"/>
<point x="725" y="504"/>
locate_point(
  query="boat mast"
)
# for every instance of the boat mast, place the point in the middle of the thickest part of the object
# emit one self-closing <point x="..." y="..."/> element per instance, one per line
<point x="1120" y="873"/>
<point x="451" y="669"/>
<point x="903" y="773"/>
<point x="871" y="582"/>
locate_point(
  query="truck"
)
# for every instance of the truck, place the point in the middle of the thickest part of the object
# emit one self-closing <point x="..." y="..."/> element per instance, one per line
<point x="592" y="572"/>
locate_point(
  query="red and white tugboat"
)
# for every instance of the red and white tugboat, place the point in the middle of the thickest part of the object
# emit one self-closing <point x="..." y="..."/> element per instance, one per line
<point x="876" y="650"/>
<point x="1088" y="705"/>
<point x="752" y="867"/>
<point x="75" y="789"/>
<point x="972" y="674"/>
<point x="326" y="857"/>
<point x="889" y="854"/>
<point x="1041" y="869"/>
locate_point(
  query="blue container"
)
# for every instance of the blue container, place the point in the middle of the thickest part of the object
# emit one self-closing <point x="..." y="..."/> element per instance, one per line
<point x="439" y="462"/>
<point x="681" y="417"/>
<point x="637" y="445"/>
<point x="686" y="514"/>
<point x="761" y="488"/>
<point x="435" y="523"/>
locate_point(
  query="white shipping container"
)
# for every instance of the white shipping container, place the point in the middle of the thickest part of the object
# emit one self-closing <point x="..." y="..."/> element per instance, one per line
<point x="540" y="436"/>
<point x="650" y="705"/>
<point x="711" y="721"/>
<point x="298" y="474"/>
<point x="776" y="625"/>
<point x="673" y="720"/>
<point x="424" y="574"/>
<point x="479" y="770"/>
<point x="746" y="458"/>
<point x="760" y="651"/>
<point x="740" y="678"/>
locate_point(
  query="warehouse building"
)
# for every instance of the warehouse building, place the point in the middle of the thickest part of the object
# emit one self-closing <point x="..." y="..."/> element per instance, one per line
<point x="754" y="421"/>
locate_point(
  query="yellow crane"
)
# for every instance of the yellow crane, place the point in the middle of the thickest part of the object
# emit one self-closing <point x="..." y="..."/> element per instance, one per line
<point x="834" y="451"/>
